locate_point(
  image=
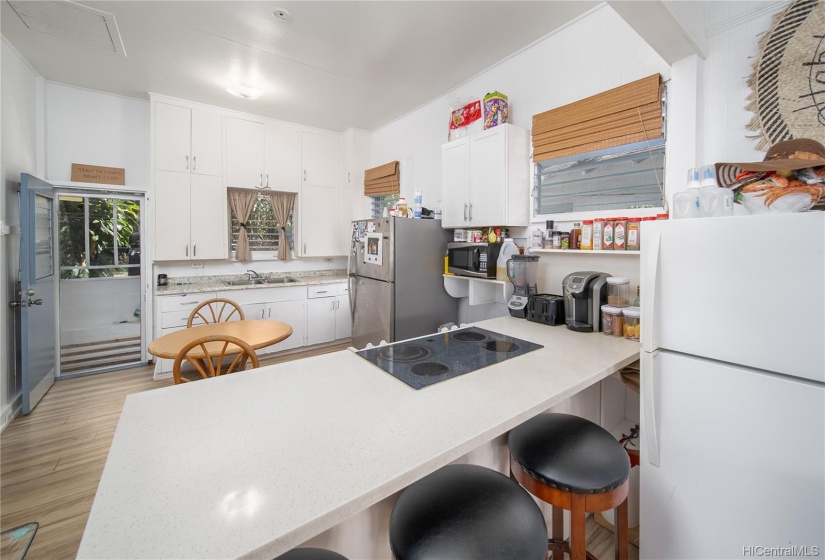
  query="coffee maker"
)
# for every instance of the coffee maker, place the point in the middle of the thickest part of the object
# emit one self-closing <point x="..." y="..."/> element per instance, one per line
<point x="523" y="272"/>
<point x="584" y="294"/>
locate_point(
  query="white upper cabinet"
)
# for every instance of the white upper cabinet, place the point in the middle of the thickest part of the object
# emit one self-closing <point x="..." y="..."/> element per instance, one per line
<point x="455" y="183"/>
<point x="187" y="140"/>
<point x="321" y="159"/>
<point x="486" y="179"/>
<point x="283" y="156"/>
<point x="189" y="197"/>
<point x="173" y="137"/>
<point x="206" y="143"/>
<point x="245" y="153"/>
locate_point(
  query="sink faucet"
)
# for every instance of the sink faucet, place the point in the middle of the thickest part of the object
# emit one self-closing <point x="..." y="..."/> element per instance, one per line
<point x="252" y="274"/>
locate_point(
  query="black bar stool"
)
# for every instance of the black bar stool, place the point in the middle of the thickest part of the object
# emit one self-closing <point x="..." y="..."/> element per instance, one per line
<point x="576" y="465"/>
<point x="467" y="512"/>
<point x="310" y="554"/>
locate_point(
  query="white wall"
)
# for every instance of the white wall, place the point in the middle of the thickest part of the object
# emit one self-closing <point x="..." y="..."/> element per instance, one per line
<point x="94" y="128"/>
<point x="595" y="53"/>
<point x="18" y="154"/>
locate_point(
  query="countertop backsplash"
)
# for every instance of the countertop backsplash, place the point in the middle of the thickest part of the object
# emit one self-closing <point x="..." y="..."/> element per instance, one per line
<point x="196" y="284"/>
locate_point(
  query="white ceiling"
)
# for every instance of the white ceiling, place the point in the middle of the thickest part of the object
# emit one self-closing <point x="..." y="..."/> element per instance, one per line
<point x="336" y="65"/>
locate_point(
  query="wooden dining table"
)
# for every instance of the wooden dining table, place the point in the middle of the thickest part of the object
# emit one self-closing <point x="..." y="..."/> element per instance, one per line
<point x="257" y="333"/>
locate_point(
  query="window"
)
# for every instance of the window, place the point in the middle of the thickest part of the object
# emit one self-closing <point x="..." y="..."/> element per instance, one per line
<point x="619" y="178"/>
<point x="606" y="152"/>
<point x="378" y="203"/>
<point x="98" y="237"/>
<point x="261" y="229"/>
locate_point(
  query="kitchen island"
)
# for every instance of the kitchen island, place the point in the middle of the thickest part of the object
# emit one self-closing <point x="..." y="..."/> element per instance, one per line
<point x="258" y="462"/>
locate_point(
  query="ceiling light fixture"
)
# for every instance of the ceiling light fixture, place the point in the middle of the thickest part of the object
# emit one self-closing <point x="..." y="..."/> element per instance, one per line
<point x="282" y="14"/>
<point x="246" y="92"/>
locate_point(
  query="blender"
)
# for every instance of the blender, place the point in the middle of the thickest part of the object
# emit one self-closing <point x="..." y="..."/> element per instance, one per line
<point x="523" y="272"/>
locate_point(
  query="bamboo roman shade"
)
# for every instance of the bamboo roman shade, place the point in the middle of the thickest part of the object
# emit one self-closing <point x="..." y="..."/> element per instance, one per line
<point x="623" y="115"/>
<point x="382" y="180"/>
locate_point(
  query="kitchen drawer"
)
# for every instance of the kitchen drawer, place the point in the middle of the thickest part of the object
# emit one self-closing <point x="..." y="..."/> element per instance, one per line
<point x="183" y="301"/>
<point x="264" y="295"/>
<point x="343" y="289"/>
<point x="172" y="319"/>
<point x="324" y="290"/>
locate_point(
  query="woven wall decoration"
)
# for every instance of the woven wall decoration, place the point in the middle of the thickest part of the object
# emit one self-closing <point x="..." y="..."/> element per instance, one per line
<point x="788" y="80"/>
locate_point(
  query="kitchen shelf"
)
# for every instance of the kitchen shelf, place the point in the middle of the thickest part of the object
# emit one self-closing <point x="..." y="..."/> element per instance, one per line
<point x="478" y="290"/>
<point x="585" y="252"/>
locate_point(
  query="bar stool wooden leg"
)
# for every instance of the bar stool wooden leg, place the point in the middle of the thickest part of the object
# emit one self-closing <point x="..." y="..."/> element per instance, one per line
<point x="577" y="537"/>
<point x="620" y="531"/>
<point x="558" y="532"/>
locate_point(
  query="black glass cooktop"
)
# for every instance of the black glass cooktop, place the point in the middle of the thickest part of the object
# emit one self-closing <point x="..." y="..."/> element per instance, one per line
<point x="428" y="360"/>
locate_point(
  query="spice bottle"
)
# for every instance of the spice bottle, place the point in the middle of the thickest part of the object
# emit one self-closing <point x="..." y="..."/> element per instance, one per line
<point x="598" y="228"/>
<point x="607" y="234"/>
<point x="633" y="234"/>
<point x="575" y="236"/>
<point x="565" y="240"/>
<point x="556" y="239"/>
<point x="587" y="235"/>
<point x="619" y="234"/>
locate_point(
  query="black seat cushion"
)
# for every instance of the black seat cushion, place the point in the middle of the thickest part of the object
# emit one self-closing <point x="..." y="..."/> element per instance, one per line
<point x="569" y="453"/>
<point x="467" y="512"/>
<point x="310" y="554"/>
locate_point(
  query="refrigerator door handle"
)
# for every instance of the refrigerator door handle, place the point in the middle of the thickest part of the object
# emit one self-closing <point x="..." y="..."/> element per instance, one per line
<point x="351" y="295"/>
<point x="650" y="427"/>
<point x="649" y="342"/>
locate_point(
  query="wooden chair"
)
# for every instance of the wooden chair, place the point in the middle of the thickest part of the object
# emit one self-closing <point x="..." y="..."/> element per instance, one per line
<point x="224" y="355"/>
<point x="216" y="310"/>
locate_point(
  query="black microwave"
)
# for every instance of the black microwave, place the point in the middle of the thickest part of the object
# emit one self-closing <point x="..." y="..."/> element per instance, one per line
<point x="473" y="259"/>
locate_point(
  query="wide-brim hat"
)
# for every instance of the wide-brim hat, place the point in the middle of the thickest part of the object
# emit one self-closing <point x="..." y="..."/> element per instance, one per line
<point x="787" y="155"/>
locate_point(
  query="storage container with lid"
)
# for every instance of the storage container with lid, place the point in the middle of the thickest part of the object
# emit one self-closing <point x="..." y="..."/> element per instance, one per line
<point x="619" y="233"/>
<point x="631" y="317"/>
<point x="612" y="321"/>
<point x="633" y="226"/>
<point x="598" y="227"/>
<point x="618" y="291"/>
<point x="587" y="235"/>
<point x="607" y="234"/>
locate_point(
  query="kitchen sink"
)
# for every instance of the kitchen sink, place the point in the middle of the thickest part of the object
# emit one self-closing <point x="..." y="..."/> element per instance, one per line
<point x="258" y="281"/>
<point x="252" y="282"/>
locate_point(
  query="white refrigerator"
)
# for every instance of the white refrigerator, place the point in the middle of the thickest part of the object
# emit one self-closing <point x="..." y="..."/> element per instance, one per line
<point x="733" y="387"/>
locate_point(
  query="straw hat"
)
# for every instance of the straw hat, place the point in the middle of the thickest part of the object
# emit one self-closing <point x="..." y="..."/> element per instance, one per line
<point x="787" y="155"/>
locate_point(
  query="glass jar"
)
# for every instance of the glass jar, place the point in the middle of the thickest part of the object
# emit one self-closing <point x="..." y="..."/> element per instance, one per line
<point x="619" y="234"/>
<point x="575" y="236"/>
<point x="587" y="235"/>
<point x="598" y="228"/>
<point x="556" y="239"/>
<point x="607" y="234"/>
<point x="632" y="325"/>
<point x="618" y="291"/>
<point x="612" y="321"/>
<point x="633" y="226"/>
<point x="565" y="240"/>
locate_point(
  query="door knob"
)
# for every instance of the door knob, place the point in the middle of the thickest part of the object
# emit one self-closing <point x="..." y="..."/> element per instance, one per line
<point x="15" y="303"/>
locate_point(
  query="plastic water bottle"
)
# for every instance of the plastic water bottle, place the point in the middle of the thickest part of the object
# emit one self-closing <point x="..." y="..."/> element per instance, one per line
<point x="417" y="205"/>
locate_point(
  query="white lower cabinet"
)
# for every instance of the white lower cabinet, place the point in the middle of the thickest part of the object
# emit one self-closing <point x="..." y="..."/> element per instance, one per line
<point x="287" y="305"/>
<point x="328" y="316"/>
<point x="173" y="312"/>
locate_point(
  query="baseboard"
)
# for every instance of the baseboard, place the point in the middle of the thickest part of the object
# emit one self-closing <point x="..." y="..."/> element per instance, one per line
<point x="11" y="412"/>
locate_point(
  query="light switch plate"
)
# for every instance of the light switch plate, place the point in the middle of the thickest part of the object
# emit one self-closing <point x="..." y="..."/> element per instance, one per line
<point x="197" y="264"/>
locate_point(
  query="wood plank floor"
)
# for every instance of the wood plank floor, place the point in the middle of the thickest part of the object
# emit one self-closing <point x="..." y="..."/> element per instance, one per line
<point x="51" y="460"/>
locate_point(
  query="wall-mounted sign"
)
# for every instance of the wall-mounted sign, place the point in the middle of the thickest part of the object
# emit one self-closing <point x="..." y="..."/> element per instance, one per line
<point x="96" y="174"/>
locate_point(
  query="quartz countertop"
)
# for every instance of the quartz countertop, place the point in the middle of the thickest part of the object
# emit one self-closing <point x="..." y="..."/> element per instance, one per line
<point x="258" y="462"/>
<point x="200" y="284"/>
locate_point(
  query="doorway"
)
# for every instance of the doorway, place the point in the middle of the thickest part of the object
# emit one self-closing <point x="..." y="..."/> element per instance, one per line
<point x="101" y="288"/>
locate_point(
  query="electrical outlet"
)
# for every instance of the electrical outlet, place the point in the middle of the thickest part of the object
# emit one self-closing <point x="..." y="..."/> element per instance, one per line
<point x="197" y="264"/>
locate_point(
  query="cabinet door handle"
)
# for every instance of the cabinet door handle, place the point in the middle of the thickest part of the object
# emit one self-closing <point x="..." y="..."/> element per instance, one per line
<point x="270" y="313"/>
<point x="305" y="248"/>
<point x="465" y="211"/>
<point x="262" y="313"/>
<point x="187" y="249"/>
<point x="305" y="175"/>
<point x="321" y="291"/>
<point x="194" y="249"/>
<point x="267" y="179"/>
<point x="187" y="162"/>
<point x="188" y="302"/>
<point x="262" y="180"/>
<point x="332" y="307"/>
<point x="349" y="177"/>
<point x="194" y="162"/>
<point x="471" y="211"/>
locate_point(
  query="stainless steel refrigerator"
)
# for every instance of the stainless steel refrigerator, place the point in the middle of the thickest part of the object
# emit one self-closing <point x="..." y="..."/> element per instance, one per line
<point x="396" y="283"/>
